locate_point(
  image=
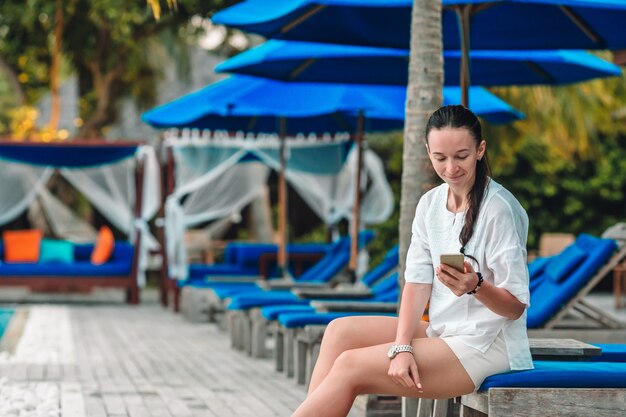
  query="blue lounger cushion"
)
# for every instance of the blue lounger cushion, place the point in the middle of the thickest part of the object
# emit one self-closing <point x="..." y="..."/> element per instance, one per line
<point x="263" y="298"/>
<point x="380" y="292"/>
<point x="272" y="312"/>
<point x="247" y="300"/>
<point x="548" y="296"/>
<point x="294" y="320"/>
<point x="611" y="352"/>
<point x="537" y="266"/>
<point x="556" y="374"/>
<point x="565" y="262"/>
<point x="386" y="290"/>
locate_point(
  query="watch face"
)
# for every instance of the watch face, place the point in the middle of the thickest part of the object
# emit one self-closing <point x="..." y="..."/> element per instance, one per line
<point x="391" y="353"/>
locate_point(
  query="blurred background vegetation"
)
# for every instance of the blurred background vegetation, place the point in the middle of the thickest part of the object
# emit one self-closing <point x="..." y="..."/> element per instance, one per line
<point x="566" y="162"/>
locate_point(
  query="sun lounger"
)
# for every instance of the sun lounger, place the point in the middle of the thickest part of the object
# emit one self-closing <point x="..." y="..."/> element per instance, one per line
<point x="249" y="327"/>
<point x="569" y="276"/>
<point x="553" y="388"/>
<point x="204" y="299"/>
<point x="331" y="269"/>
<point x="587" y="376"/>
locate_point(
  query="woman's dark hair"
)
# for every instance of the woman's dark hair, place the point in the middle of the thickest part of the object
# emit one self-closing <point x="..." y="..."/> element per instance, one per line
<point x="460" y="117"/>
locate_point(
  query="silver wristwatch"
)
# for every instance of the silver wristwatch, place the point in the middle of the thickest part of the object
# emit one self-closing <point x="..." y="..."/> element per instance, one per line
<point x="395" y="349"/>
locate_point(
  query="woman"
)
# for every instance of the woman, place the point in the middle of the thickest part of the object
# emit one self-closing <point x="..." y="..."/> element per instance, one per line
<point x="477" y="317"/>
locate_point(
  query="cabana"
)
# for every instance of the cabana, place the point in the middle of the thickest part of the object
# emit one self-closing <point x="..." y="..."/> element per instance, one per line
<point x="120" y="179"/>
<point x="214" y="174"/>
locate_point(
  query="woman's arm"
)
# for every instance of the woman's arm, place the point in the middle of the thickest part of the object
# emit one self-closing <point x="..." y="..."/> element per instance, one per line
<point x="412" y="306"/>
<point x="403" y="368"/>
<point x="496" y="299"/>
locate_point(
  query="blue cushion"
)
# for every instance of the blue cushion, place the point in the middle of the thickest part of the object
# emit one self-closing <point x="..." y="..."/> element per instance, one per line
<point x="562" y="264"/>
<point x="250" y="300"/>
<point x="611" y="352"/>
<point x="60" y="251"/>
<point x="272" y="312"/>
<point x="293" y="320"/>
<point x="387" y="264"/>
<point x="548" y="296"/>
<point x="555" y="374"/>
<point x="537" y="266"/>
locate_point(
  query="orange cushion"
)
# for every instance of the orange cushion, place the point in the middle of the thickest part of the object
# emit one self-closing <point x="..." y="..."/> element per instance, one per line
<point x="22" y="246"/>
<point x="103" y="248"/>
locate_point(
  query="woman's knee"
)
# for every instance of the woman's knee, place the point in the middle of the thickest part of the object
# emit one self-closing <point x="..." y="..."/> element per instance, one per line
<point x="347" y="367"/>
<point x="338" y="330"/>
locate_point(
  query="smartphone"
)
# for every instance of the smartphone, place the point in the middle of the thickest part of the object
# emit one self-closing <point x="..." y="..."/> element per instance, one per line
<point x="455" y="260"/>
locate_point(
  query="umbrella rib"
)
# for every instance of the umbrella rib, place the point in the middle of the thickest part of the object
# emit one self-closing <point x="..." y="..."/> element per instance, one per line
<point x="306" y="64"/>
<point x="583" y="26"/>
<point x="542" y="73"/>
<point x="341" y="120"/>
<point x="252" y="123"/>
<point x="302" y="18"/>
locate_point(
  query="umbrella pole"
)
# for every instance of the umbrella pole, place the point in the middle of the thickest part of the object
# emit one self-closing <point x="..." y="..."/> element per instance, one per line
<point x="463" y="14"/>
<point x="354" y="241"/>
<point x="167" y="185"/>
<point x="282" y="202"/>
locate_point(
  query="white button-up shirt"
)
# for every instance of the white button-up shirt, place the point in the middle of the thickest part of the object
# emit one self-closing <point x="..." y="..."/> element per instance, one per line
<point x="499" y="245"/>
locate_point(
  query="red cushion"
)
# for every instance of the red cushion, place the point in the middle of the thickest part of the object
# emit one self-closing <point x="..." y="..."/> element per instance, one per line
<point x="22" y="246"/>
<point x="104" y="246"/>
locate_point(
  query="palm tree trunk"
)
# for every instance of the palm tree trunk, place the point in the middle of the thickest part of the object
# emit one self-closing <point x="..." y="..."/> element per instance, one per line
<point x="424" y="95"/>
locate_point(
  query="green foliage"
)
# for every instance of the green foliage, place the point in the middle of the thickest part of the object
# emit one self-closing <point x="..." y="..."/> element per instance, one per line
<point x="574" y="195"/>
<point x="566" y="161"/>
<point x="111" y="45"/>
<point x="389" y="148"/>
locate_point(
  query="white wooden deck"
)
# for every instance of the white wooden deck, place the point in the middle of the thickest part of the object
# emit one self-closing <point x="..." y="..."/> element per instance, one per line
<point x="98" y="357"/>
<point x="112" y="360"/>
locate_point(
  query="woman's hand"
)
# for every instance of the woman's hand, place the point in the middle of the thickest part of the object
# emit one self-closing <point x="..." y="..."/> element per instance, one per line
<point x="458" y="282"/>
<point x="403" y="371"/>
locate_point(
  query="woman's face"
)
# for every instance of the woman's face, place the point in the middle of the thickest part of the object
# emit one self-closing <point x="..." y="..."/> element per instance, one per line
<point x="453" y="153"/>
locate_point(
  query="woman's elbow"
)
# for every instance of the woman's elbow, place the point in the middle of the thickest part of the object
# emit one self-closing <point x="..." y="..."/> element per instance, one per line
<point x="516" y="312"/>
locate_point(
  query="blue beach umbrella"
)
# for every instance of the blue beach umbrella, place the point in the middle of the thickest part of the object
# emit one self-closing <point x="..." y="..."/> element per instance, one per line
<point x="319" y="62"/>
<point x="252" y="104"/>
<point x="259" y="105"/>
<point x="483" y="24"/>
<point x="496" y="24"/>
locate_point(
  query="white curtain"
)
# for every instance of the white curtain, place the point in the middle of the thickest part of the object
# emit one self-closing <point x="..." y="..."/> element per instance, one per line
<point x="331" y="197"/>
<point x="212" y="182"/>
<point x="111" y="189"/>
<point x="64" y="222"/>
<point x="19" y="187"/>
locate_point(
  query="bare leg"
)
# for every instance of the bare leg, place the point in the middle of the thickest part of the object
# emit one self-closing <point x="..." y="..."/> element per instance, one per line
<point x="364" y="371"/>
<point x="352" y="333"/>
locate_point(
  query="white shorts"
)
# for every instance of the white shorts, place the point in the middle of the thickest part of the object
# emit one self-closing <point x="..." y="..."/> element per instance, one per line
<point x="480" y="365"/>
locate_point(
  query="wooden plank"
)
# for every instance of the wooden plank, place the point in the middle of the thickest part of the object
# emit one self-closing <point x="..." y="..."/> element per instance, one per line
<point x="540" y="402"/>
<point x="348" y="293"/>
<point x="562" y="348"/>
<point x="477" y="401"/>
<point x="326" y="306"/>
<point x="72" y="402"/>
